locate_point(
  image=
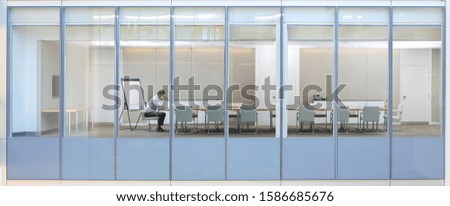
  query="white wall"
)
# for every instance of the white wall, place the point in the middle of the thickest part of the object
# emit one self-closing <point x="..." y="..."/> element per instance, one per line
<point x="48" y="67"/>
<point x="365" y="70"/>
<point x="415" y="61"/>
<point x="293" y="74"/>
<point x="77" y="61"/>
<point x="101" y="73"/>
<point x="265" y="66"/>
<point x="25" y="75"/>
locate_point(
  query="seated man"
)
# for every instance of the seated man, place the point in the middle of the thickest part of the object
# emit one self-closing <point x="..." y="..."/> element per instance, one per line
<point x="155" y="104"/>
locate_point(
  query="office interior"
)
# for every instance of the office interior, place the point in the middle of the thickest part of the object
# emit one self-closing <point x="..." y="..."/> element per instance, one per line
<point x="388" y="58"/>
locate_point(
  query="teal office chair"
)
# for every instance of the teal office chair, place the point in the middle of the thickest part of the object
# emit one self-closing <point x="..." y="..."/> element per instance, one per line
<point x="370" y="114"/>
<point x="216" y="115"/>
<point x="249" y="116"/>
<point x="184" y="114"/>
<point x="305" y="115"/>
<point x="343" y="118"/>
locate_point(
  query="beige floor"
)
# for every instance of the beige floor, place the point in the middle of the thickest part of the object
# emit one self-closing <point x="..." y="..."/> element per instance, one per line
<point x="107" y="131"/>
<point x="264" y="131"/>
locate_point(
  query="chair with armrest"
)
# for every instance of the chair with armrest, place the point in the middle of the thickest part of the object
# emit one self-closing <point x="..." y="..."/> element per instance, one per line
<point x="214" y="113"/>
<point x="343" y="118"/>
<point x="184" y="114"/>
<point x="305" y="115"/>
<point x="370" y="114"/>
<point x="249" y="116"/>
<point x="396" y="116"/>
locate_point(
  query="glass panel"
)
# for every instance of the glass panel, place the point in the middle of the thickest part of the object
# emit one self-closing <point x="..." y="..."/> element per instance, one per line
<point x="310" y="33"/>
<point x="310" y="69"/>
<point x="198" y="147"/>
<point x="34" y="88"/>
<point x="253" y="97"/>
<point x="417" y="83"/>
<point x="200" y="32"/>
<point x="35" y="71"/>
<point x="199" y="58"/>
<point x="91" y="15"/>
<point x="254" y="15"/>
<point x="417" y="16"/>
<point x="364" y="80"/>
<point x="136" y="32"/>
<point x="360" y="15"/>
<point x="145" y="68"/>
<point x="417" y="34"/>
<point x="359" y="33"/>
<point x="308" y="152"/>
<point x="42" y="16"/>
<point x="144" y="16"/>
<point x="142" y="152"/>
<point x="90" y="72"/>
<point x="417" y="145"/>
<point x="309" y="15"/>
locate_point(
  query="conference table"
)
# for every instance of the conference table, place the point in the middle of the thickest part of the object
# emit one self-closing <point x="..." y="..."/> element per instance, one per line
<point x="75" y="112"/>
<point x="355" y="112"/>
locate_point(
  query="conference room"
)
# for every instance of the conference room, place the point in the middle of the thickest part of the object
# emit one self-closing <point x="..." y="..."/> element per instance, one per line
<point x="247" y="83"/>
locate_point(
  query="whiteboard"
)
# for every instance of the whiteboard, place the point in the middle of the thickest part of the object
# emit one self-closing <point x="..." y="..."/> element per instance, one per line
<point x="133" y="93"/>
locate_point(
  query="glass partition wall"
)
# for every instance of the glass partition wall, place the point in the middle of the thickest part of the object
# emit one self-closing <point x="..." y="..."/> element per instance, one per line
<point x="254" y="66"/>
<point x="88" y="149"/>
<point x="34" y="54"/>
<point x="386" y="123"/>
<point x="362" y="95"/>
<point x="418" y="144"/>
<point x="142" y="149"/>
<point x="199" y="143"/>
<point x="308" y="152"/>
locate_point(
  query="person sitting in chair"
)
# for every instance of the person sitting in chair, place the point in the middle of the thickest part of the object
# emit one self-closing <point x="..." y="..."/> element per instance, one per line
<point x="156" y="103"/>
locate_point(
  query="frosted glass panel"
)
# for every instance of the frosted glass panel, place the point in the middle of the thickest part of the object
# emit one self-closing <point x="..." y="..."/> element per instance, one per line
<point x="417" y="15"/>
<point x="85" y="33"/>
<point x="90" y="15"/>
<point x="254" y="15"/>
<point x="417" y="34"/>
<point x="309" y="15"/>
<point x="310" y="33"/>
<point x="144" y="15"/>
<point x="253" y="33"/>
<point x="35" y="15"/>
<point x="145" y="32"/>
<point x="364" y="15"/>
<point x="363" y="33"/>
<point x="200" y="32"/>
<point x="199" y="15"/>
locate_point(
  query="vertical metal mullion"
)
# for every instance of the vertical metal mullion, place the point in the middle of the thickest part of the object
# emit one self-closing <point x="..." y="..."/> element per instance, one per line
<point x="335" y="86"/>
<point x="282" y="84"/>
<point x="226" y="85"/>
<point x="390" y="89"/>
<point x="62" y="81"/>
<point x="443" y="80"/>
<point x="8" y="87"/>
<point x="172" y="74"/>
<point x="8" y="73"/>
<point x="116" y="82"/>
